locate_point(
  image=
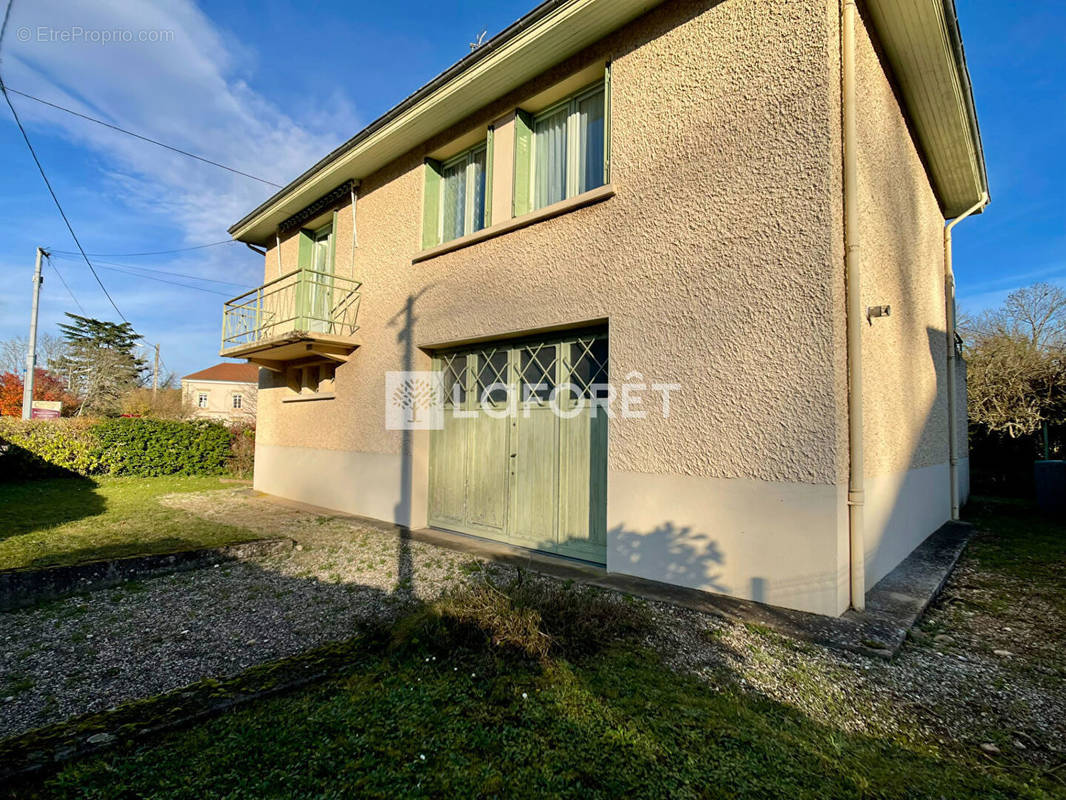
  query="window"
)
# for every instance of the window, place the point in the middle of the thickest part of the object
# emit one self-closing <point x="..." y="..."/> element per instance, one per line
<point x="237" y="401"/>
<point x="462" y="194"/>
<point x="568" y="150"/>
<point x="201" y="400"/>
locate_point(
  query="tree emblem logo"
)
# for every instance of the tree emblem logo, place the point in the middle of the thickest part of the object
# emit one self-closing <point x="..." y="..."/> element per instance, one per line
<point x="414" y="400"/>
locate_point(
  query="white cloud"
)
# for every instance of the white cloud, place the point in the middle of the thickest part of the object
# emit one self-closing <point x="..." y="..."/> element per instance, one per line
<point x="190" y="92"/>
<point x="979" y="295"/>
<point x="194" y="92"/>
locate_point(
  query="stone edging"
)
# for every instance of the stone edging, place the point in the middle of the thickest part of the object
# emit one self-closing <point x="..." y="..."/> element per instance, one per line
<point x="26" y="587"/>
<point x="33" y="754"/>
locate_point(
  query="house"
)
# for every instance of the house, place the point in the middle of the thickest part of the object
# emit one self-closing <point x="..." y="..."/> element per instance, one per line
<point x="225" y="392"/>
<point x="719" y="224"/>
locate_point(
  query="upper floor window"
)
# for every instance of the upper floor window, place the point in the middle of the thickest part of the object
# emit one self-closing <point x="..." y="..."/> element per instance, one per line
<point x="201" y="400"/>
<point x="456" y="196"/>
<point x="463" y="194"/>
<point x="568" y="148"/>
<point x="238" y="401"/>
<point x="559" y="151"/>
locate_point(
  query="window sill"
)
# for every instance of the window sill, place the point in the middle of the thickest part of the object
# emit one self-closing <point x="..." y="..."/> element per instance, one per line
<point x="596" y="195"/>
<point x="307" y="398"/>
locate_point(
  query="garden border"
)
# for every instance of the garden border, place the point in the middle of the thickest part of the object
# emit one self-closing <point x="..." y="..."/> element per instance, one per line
<point x="26" y="586"/>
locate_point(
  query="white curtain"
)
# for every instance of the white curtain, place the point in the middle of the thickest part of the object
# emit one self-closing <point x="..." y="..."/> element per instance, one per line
<point x="550" y="138"/>
<point x="590" y="120"/>
<point x="477" y="178"/>
<point x="454" y="201"/>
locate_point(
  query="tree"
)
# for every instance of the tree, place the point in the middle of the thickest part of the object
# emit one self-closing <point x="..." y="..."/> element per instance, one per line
<point x="1016" y="358"/>
<point x="46" y="386"/>
<point x="164" y="404"/>
<point x="101" y="362"/>
<point x="13" y="352"/>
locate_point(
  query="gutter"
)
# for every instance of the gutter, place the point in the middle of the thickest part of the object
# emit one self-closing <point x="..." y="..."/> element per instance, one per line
<point x="853" y="311"/>
<point x="955" y="34"/>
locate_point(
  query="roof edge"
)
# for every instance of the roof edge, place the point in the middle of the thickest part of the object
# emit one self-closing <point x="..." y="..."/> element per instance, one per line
<point x="460" y="66"/>
<point x="955" y="32"/>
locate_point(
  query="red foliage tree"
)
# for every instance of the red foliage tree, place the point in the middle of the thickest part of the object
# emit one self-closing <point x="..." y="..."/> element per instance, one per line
<point x="46" y="386"/>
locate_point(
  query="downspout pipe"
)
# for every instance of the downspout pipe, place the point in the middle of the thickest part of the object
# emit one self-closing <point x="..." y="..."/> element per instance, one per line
<point x="853" y="311"/>
<point x="949" y="315"/>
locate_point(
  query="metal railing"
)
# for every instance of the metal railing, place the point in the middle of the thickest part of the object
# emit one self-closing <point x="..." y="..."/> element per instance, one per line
<point x="301" y="301"/>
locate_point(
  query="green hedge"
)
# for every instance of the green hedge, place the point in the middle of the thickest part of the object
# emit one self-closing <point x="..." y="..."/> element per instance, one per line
<point x="126" y="446"/>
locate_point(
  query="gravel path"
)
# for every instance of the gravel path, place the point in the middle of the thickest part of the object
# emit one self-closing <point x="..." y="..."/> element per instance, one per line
<point x="91" y="652"/>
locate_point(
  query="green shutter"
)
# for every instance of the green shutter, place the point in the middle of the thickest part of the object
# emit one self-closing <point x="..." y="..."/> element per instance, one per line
<point x="304" y="259"/>
<point x="332" y="269"/>
<point x="303" y="254"/>
<point x="607" y="123"/>
<point x="490" y="156"/>
<point x="431" y="205"/>
<point x="523" y="162"/>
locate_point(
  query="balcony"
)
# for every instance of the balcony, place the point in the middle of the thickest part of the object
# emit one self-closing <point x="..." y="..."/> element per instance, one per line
<point x="304" y="314"/>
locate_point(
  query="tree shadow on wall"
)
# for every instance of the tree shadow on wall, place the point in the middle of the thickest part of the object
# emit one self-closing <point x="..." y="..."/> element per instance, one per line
<point x="669" y="553"/>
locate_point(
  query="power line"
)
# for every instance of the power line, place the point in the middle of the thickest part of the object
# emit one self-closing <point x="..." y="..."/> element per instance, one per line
<point x="151" y="253"/>
<point x="65" y="284"/>
<point x="164" y="280"/>
<point x="144" y="138"/>
<point x="62" y="213"/>
<point x="169" y="272"/>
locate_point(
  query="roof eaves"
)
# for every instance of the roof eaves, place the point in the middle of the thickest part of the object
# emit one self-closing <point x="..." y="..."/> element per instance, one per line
<point x="465" y="63"/>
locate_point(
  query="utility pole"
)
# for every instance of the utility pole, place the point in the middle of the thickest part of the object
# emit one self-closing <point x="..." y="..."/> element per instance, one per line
<point x="31" y="355"/>
<point x="155" y="373"/>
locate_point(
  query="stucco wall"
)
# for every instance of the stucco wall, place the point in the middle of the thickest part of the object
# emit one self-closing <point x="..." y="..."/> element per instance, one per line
<point x="714" y="262"/>
<point x="717" y="266"/>
<point x="905" y="354"/>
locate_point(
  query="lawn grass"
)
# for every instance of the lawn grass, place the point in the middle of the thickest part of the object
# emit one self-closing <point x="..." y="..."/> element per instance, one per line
<point x="511" y="691"/>
<point x="1018" y="559"/>
<point x="617" y="726"/>
<point x="72" y="520"/>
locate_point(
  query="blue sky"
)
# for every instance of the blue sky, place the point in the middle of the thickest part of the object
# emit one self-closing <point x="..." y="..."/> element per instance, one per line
<point x="269" y="87"/>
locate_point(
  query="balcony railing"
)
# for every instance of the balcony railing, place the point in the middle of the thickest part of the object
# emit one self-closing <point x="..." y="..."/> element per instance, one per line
<point x="300" y="302"/>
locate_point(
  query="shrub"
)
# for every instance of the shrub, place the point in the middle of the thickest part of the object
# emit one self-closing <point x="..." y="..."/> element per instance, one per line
<point x="138" y="447"/>
<point x="152" y="447"/>
<point x="242" y="449"/>
<point x="523" y="616"/>
<point x="43" y="448"/>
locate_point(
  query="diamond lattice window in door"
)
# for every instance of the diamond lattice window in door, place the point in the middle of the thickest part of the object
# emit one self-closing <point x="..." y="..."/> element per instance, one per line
<point x="588" y="367"/>
<point x="536" y="371"/>
<point x="492" y="378"/>
<point x="454" y="368"/>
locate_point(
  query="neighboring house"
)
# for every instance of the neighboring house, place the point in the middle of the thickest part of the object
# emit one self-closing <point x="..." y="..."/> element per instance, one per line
<point x="743" y="198"/>
<point x="224" y="392"/>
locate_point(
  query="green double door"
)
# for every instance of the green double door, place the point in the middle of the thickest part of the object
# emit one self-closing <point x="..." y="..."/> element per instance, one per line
<point x="522" y="455"/>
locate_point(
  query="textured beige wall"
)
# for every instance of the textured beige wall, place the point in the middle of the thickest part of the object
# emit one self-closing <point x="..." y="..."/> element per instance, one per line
<point x="717" y="262"/>
<point x="904" y="355"/>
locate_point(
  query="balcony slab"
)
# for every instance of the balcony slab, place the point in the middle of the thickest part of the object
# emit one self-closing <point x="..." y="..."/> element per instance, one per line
<point x="275" y="352"/>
